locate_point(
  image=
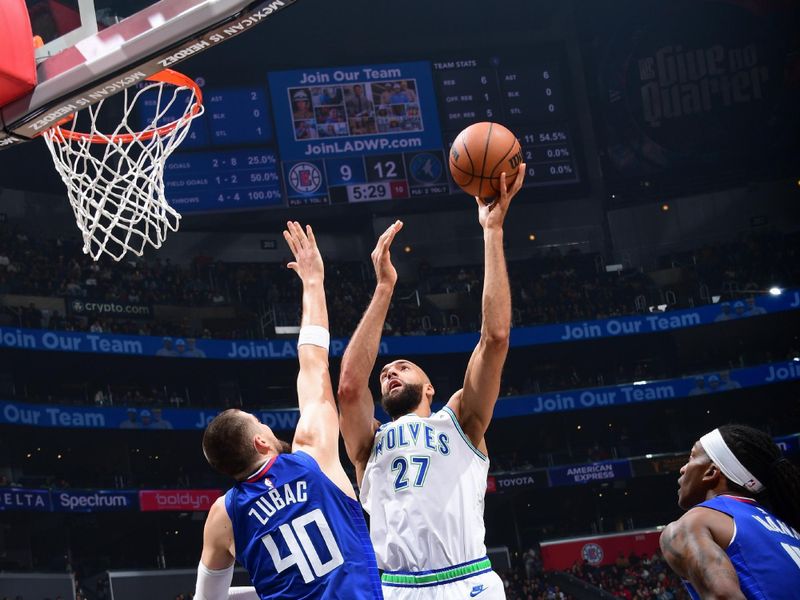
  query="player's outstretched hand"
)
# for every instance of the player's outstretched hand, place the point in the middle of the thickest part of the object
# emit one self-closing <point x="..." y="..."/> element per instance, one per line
<point x="381" y="257"/>
<point x="307" y="259"/>
<point x="491" y="216"/>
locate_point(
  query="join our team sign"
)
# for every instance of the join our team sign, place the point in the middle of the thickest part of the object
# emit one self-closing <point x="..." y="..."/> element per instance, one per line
<point x="361" y="133"/>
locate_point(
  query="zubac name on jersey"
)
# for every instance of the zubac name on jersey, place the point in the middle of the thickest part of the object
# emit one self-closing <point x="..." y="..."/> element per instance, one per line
<point x="266" y="506"/>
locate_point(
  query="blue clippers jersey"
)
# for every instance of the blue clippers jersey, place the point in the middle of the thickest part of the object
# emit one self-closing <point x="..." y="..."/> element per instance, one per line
<point x="299" y="536"/>
<point x="764" y="551"/>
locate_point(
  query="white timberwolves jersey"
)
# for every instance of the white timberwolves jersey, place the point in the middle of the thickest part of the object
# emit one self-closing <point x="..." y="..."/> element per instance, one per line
<point x="424" y="488"/>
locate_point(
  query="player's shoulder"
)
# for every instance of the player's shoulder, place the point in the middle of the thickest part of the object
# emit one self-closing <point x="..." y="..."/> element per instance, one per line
<point x="218" y="513"/>
<point x="300" y="459"/>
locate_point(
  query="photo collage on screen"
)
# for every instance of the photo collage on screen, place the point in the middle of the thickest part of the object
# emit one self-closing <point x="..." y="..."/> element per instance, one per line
<point x="355" y="109"/>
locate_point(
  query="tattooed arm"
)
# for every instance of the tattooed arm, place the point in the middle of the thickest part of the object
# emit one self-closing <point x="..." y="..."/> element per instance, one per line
<point x="693" y="548"/>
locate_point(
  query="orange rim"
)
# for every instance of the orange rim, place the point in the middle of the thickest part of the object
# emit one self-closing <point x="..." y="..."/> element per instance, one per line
<point x="165" y="76"/>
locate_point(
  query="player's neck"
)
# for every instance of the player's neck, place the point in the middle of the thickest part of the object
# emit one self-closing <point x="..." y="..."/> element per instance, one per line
<point x="421" y="411"/>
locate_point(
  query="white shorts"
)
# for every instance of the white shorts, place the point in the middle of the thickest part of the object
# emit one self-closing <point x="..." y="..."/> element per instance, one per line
<point x="482" y="586"/>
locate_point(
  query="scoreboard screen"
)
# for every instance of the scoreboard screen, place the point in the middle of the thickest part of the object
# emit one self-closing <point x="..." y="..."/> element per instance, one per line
<point x="343" y="132"/>
<point x="347" y="135"/>
<point x="231" y="176"/>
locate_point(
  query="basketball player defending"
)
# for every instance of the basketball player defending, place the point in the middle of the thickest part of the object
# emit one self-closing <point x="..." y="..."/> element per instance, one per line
<point x="423" y="476"/>
<point x="728" y="545"/>
<point x="292" y="518"/>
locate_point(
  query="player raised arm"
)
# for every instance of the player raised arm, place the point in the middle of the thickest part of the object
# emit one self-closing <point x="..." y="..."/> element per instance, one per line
<point x="317" y="430"/>
<point x="473" y="405"/>
<point x="356" y="405"/>
<point x="691" y="549"/>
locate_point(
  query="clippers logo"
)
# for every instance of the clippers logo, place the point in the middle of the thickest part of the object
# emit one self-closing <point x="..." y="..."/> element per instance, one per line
<point x="305" y="178"/>
<point x="592" y="554"/>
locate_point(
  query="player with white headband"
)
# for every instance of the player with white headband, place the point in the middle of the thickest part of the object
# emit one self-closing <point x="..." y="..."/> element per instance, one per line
<point x="739" y="537"/>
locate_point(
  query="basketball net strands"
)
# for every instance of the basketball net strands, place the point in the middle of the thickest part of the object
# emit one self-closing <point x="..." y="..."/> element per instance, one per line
<point x="115" y="181"/>
<point x="108" y="155"/>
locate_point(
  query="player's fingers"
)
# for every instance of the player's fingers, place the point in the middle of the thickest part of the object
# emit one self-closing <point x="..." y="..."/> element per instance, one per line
<point x="292" y="233"/>
<point x="299" y="235"/>
<point x="290" y="242"/>
<point x="392" y="231"/>
<point x="292" y="266"/>
<point x="520" y="178"/>
<point x="310" y="235"/>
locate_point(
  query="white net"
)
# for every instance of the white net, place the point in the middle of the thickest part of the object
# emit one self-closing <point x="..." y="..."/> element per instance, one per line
<point x="115" y="181"/>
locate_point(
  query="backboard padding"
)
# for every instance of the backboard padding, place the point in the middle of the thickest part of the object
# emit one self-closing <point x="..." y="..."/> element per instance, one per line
<point x="125" y="53"/>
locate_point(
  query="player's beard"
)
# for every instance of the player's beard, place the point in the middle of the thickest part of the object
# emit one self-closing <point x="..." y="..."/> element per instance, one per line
<point x="404" y="401"/>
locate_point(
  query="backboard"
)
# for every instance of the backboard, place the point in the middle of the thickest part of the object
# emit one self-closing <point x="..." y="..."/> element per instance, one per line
<point x="93" y="49"/>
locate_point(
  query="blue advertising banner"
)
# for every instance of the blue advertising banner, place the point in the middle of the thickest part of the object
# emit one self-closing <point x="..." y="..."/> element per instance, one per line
<point x="648" y="391"/>
<point x="88" y="501"/>
<point x="139" y="345"/>
<point x="592" y="473"/>
<point x="355" y="111"/>
<point x="25" y="499"/>
<point x="52" y="415"/>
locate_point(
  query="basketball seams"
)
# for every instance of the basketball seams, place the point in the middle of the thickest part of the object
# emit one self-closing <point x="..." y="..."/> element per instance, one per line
<point x="514" y="145"/>
<point x="485" y="156"/>
<point x="480" y="138"/>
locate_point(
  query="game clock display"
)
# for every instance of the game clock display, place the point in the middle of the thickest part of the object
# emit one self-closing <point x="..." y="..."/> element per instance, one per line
<point x="365" y="179"/>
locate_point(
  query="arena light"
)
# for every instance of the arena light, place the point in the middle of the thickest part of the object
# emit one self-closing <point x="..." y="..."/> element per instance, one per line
<point x="775" y="291"/>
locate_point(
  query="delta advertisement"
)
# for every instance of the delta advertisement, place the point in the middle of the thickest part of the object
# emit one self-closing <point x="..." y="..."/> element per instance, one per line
<point x="598" y="550"/>
<point x="191" y="348"/>
<point x="94" y="501"/>
<point x="52" y="415"/>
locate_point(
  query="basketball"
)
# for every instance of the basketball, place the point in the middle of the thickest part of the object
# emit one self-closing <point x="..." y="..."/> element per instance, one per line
<point x="479" y="154"/>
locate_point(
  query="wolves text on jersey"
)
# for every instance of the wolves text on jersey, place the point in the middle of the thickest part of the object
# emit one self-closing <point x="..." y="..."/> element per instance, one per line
<point x="408" y="435"/>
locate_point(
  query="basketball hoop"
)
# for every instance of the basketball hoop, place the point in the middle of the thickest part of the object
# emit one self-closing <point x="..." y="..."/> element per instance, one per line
<point x="115" y="181"/>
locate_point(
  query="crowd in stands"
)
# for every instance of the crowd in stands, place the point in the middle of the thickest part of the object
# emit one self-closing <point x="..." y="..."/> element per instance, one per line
<point x="631" y="578"/>
<point x="547" y="287"/>
<point x="634" y="578"/>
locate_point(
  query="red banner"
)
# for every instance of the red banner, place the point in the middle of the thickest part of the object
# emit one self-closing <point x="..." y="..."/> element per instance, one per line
<point x="559" y="555"/>
<point x="177" y="499"/>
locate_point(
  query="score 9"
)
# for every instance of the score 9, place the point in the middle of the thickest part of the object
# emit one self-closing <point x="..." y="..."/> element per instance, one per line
<point x="345" y="171"/>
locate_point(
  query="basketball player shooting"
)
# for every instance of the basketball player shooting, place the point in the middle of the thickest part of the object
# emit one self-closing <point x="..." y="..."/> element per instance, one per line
<point x="291" y="518"/>
<point x="423" y="476"/>
<point x="728" y="544"/>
